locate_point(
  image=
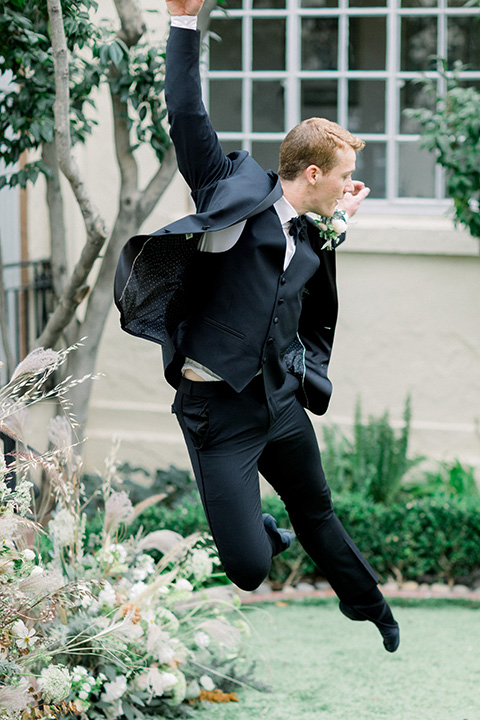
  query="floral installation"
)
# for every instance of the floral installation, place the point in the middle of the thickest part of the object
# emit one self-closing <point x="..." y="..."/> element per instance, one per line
<point x="106" y="625"/>
<point x="330" y="228"/>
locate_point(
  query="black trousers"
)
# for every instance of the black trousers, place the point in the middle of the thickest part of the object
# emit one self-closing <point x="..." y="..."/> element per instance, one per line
<point x="230" y="437"/>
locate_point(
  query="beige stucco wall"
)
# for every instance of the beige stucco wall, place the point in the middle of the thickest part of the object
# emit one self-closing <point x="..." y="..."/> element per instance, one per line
<point x="409" y="323"/>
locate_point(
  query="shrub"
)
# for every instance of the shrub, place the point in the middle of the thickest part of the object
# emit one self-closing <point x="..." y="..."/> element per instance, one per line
<point x="430" y="539"/>
<point x="375" y="462"/>
<point x="433" y="539"/>
<point x="449" y="479"/>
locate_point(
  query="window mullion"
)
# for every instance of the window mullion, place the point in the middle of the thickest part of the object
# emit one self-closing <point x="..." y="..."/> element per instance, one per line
<point x="343" y="40"/>
<point x="293" y="55"/>
<point x="392" y="104"/>
<point x="247" y="81"/>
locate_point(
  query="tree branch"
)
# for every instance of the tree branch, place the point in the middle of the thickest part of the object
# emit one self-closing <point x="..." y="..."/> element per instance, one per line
<point x="94" y="224"/>
<point x="93" y="221"/>
<point x="126" y="160"/>
<point x="131" y="20"/>
<point x="157" y="185"/>
<point x="204" y="16"/>
<point x="58" y="251"/>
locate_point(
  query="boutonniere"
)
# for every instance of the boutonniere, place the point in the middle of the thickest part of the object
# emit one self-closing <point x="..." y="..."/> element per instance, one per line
<point x="330" y="228"/>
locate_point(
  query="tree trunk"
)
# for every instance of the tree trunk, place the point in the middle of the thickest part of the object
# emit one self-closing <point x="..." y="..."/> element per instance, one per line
<point x="56" y="216"/>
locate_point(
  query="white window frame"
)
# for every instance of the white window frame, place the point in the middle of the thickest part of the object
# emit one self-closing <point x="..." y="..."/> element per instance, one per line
<point x="392" y="75"/>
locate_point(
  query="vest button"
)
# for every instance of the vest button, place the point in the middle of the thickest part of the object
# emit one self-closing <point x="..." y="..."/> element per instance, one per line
<point x="264" y="360"/>
<point x="281" y="301"/>
<point x="270" y="340"/>
<point x="275" y="320"/>
<point x="283" y="280"/>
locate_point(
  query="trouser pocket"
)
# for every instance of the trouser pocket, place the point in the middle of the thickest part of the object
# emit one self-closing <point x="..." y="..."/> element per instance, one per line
<point x="193" y="415"/>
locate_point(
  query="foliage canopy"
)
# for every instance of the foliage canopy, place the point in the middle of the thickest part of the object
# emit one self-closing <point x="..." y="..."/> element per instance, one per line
<point x="452" y="131"/>
<point x="97" y="55"/>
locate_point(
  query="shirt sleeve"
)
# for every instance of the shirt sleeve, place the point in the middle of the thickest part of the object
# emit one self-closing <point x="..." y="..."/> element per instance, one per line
<point x="188" y="22"/>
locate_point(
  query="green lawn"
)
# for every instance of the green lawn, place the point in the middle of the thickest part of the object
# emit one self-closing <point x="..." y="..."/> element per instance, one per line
<point x="320" y="665"/>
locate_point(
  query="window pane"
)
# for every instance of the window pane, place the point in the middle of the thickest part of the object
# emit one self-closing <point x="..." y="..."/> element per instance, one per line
<point x="367" y="46"/>
<point x="371" y="168"/>
<point x="319" y="43"/>
<point x="319" y="3"/>
<point x="419" y="3"/>
<point x="269" y="4"/>
<point x="419" y="43"/>
<point x="230" y="146"/>
<point x="366" y="106"/>
<point x="318" y="99"/>
<point x="226" y="105"/>
<point x="268" y="107"/>
<point x="413" y="95"/>
<point x="416" y="176"/>
<point x="268" y="44"/>
<point x="464" y="41"/>
<point x="232" y="4"/>
<point x="368" y="3"/>
<point x="226" y="53"/>
<point x="266" y="154"/>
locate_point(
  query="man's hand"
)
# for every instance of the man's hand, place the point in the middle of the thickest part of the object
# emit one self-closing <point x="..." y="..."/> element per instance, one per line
<point x="351" y="201"/>
<point x="184" y="7"/>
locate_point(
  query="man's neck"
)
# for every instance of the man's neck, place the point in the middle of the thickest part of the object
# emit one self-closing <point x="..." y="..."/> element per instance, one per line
<point x="294" y="192"/>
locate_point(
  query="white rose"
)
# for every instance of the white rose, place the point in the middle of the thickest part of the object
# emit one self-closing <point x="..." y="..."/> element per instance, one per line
<point x="183" y="584"/>
<point x="207" y="683"/>
<point x="107" y="595"/>
<point x="28" y="554"/>
<point x="339" y="225"/>
<point x="169" y="680"/>
<point x="114" y="690"/>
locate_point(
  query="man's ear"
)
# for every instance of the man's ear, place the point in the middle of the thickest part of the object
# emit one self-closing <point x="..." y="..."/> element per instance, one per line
<point x="313" y="174"/>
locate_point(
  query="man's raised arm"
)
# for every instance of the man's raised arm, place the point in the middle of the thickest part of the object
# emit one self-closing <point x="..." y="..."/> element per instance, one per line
<point x="184" y="7"/>
<point x="200" y="157"/>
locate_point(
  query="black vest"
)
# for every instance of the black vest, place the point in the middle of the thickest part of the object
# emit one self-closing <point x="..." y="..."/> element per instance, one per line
<point x="245" y="308"/>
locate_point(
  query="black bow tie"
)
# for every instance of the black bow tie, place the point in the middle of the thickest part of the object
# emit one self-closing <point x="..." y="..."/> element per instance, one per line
<point x="298" y="228"/>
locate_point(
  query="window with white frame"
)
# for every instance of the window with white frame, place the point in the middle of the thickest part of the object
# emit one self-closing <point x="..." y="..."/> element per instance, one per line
<point x="273" y="63"/>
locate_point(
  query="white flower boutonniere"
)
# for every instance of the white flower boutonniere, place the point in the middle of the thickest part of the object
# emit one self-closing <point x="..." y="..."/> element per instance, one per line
<point x="330" y="228"/>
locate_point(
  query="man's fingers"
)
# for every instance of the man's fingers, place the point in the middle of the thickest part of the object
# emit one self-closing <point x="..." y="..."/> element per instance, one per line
<point x="363" y="193"/>
<point x="358" y="185"/>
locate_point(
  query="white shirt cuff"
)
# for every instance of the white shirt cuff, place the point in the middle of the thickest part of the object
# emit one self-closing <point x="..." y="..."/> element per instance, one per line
<point x="188" y="22"/>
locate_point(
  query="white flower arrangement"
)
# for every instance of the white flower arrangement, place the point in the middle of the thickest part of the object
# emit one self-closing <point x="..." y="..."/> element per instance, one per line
<point x="330" y="228"/>
<point x="98" y="627"/>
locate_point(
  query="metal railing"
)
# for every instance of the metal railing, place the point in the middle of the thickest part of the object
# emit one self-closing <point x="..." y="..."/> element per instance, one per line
<point x="29" y="300"/>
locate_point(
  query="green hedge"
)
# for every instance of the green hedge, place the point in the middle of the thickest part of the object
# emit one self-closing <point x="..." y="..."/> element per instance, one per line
<point x="428" y="539"/>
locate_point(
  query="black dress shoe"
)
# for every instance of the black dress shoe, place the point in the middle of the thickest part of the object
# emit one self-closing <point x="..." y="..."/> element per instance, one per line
<point x="282" y="538"/>
<point x="389" y="631"/>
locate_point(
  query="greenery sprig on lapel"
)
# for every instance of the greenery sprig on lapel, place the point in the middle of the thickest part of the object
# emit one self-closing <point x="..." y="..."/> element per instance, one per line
<point x="330" y="228"/>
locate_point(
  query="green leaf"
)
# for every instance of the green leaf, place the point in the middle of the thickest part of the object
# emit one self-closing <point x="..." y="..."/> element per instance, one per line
<point x="115" y="54"/>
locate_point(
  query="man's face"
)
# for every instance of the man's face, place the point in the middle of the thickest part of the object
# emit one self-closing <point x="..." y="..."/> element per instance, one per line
<point x="328" y="188"/>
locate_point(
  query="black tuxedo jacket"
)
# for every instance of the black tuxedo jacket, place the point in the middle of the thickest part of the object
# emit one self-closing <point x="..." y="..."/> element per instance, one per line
<point x="156" y="273"/>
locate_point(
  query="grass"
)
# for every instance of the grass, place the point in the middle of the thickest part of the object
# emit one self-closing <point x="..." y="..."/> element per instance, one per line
<point x="320" y="666"/>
